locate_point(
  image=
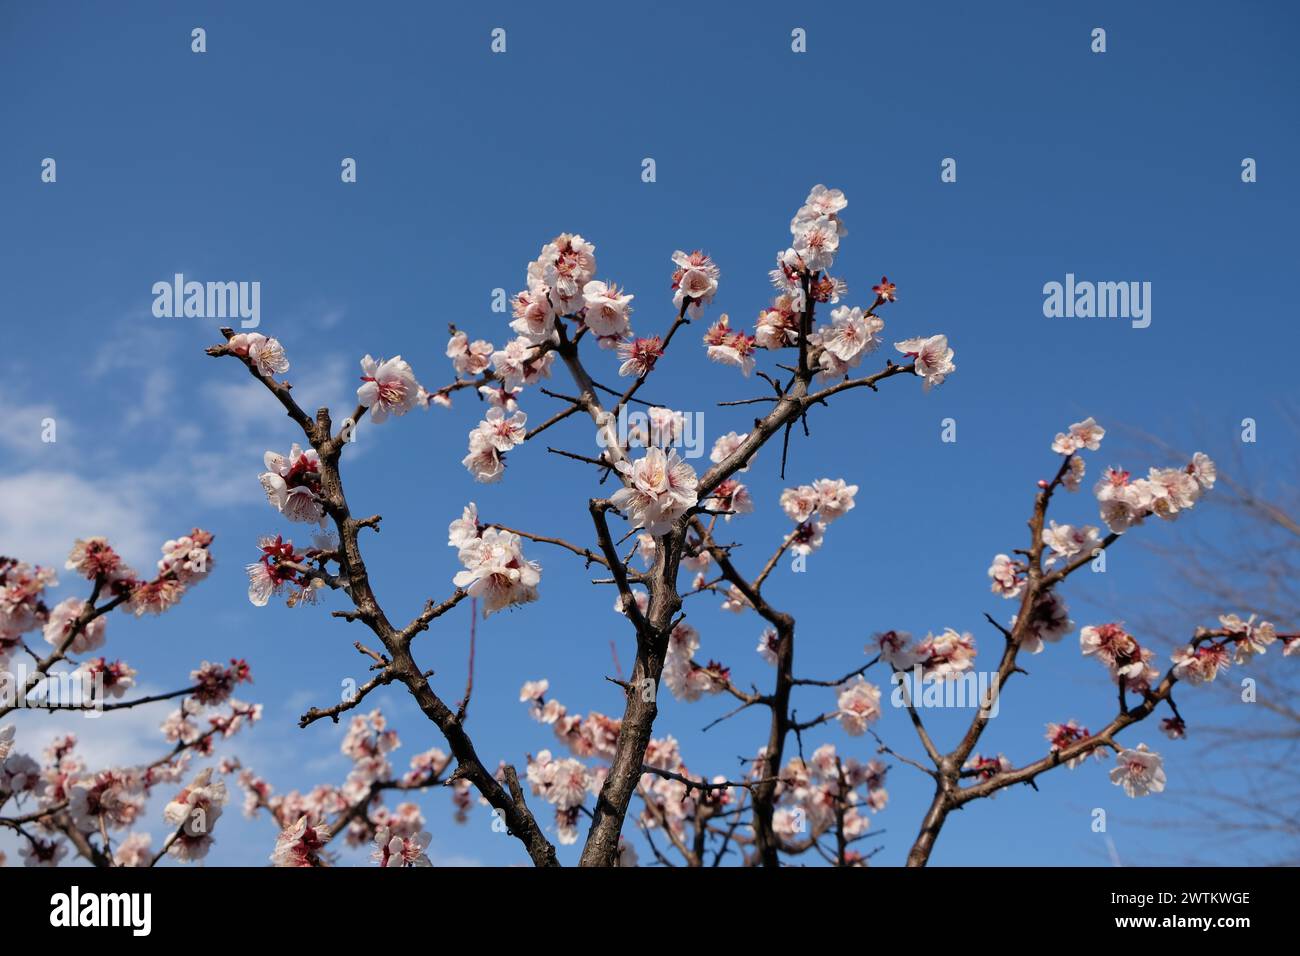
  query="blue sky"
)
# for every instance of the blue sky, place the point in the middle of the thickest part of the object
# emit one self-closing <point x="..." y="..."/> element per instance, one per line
<point x="225" y="166"/>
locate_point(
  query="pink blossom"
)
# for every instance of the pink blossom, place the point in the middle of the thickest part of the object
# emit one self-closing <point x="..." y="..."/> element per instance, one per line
<point x="1138" y="771"/>
<point x="389" y="387"/>
<point x="834" y="497"/>
<point x="639" y="355"/>
<point x="94" y="557"/>
<point x="533" y="316"/>
<point x="947" y="655"/>
<point x="1061" y="736"/>
<point x="606" y="310"/>
<point x="564" y="266"/>
<point x="394" y="850"/>
<point x="859" y="705"/>
<point x="1085" y="434"/>
<point x="932" y="355"/>
<point x="496" y="571"/>
<point x="895" y="649"/>
<point x="1007" y="576"/>
<point x="63" y="619"/>
<point x="301" y="845"/>
<point x="726" y="445"/>
<point x="660" y="489"/>
<point x="484" y="460"/>
<point x="1049" y="621"/>
<point x="293" y="484"/>
<point x="263" y="353"/>
<point x="851" y="334"/>
<point x="695" y="281"/>
<point x="800" y="503"/>
<point x="469" y="358"/>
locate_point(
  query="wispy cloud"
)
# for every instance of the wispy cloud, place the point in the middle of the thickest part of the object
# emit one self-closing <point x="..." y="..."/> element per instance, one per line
<point x="43" y="511"/>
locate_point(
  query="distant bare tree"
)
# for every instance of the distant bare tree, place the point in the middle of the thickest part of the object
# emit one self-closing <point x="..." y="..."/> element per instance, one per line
<point x="1254" y="569"/>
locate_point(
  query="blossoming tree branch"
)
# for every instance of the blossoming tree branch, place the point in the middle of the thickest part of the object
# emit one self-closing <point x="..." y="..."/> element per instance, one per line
<point x="657" y="540"/>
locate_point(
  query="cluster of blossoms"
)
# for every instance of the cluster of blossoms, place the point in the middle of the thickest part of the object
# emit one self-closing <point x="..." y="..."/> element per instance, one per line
<point x="193" y="811"/>
<point x="495" y="435"/>
<point x="521" y="363"/>
<point x="73" y="625"/>
<point x="69" y="798"/>
<point x="851" y="336"/>
<point x="695" y="282"/>
<point x="1060" y="736"/>
<point x="686" y="678"/>
<point x="1138" y="770"/>
<point x="1164" y="492"/>
<point x="22" y="602"/>
<point x="282" y="568"/>
<point x="292" y="484"/>
<point x="1126" y="501"/>
<point x="468" y="358"/>
<point x="1201" y="662"/>
<point x="813" y="507"/>
<point x="1124" y="657"/>
<point x="263" y="353"/>
<point x="560" y="274"/>
<point x="591" y="736"/>
<point x="566" y="782"/>
<point x="310" y="821"/>
<point x="301" y="845"/>
<point x="560" y="285"/>
<point x="116" y="797"/>
<point x="1064" y="542"/>
<point x="729" y="346"/>
<point x="660" y="488"/>
<point x="837" y="347"/>
<point x="214" y="683"/>
<point x="730" y="497"/>
<point x="392" y="849"/>
<point x="1048" y="622"/>
<point x="811" y="794"/>
<point x="496" y="571"/>
<point x="940" y="657"/>
<point x="185" y="561"/>
<point x="1236" y="641"/>
<point x="816" y="230"/>
<point x="671" y="805"/>
<point x="184" y="728"/>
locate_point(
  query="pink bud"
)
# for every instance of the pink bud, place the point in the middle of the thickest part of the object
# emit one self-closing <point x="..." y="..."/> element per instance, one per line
<point x="1042" y="483"/>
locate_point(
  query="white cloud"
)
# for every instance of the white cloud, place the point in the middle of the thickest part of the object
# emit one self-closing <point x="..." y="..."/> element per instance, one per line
<point x="43" y="512"/>
<point x="122" y="738"/>
<point x="156" y="390"/>
<point x="22" y="425"/>
<point x="133" y="737"/>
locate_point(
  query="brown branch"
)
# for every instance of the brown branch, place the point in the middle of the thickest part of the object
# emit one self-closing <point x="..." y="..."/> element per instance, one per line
<point x="397" y="643"/>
